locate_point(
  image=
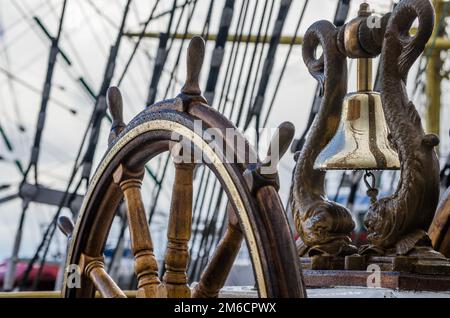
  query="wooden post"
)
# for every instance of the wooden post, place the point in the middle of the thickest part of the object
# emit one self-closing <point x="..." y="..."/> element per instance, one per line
<point x="145" y="264"/>
<point x="179" y="233"/>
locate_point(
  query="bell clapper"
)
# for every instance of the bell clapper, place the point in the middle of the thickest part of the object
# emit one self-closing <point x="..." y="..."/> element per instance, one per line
<point x="364" y="84"/>
<point x="372" y="191"/>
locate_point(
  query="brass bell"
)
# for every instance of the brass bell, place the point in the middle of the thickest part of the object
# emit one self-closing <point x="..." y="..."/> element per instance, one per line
<point x="361" y="141"/>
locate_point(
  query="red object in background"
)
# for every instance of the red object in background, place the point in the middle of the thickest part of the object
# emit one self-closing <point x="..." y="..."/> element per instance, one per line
<point x="48" y="275"/>
<point x="359" y="237"/>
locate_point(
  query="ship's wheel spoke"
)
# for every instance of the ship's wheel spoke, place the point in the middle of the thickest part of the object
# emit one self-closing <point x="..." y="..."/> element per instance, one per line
<point x="219" y="266"/>
<point x="179" y="233"/>
<point x="94" y="268"/>
<point x="145" y="264"/>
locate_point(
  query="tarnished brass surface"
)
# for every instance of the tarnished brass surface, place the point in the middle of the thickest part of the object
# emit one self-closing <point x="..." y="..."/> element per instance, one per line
<point x="397" y="224"/>
<point x="361" y="141"/>
<point x="364" y="75"/>
<point x="358" y="38"/>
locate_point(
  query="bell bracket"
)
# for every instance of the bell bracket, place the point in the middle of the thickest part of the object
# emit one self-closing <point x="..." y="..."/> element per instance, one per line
<point x="324" y="226"/>
<point x="396" y="224"/>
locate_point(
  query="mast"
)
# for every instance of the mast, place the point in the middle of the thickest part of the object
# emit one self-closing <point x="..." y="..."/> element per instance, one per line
<point x="98" y="114"/>
<point x="8" y="283"/>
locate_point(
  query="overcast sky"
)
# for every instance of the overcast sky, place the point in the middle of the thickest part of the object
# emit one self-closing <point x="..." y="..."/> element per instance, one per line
<point x="87" y="35"/>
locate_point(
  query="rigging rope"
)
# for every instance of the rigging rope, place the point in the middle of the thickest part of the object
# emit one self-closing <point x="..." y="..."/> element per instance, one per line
<point x="12" y="88"/>
<point x="213" y="75"/>
<point x="425" y="58"/>
<point x="36" y="90"/>
<point x="10" y="275"/>
<point x="253" y="59"/>
<point x="183" y="40"/>
<point x="161" y="57"/>
<point x="283" y="69"/>
<point x="10" y="148"/>
<point x="206" y="25"/>
<point x="158" y="188"/>
<point x="79" y="59"/>
<point x="141" y="36"/>
<point x="163" y="54"/>
<point x="340" y="16"/>
<point x="219" y="50"/>
<point x="54" y="50"/>
<point x="78" y="79"/>
<point x="231" y="64"/>
<point x="255" y="111"/>
<point x="260" y="56"/>
<point x="158" y="183"/>
<point x="86" y="163"/>
<point x="212" y="234"/>
<point x="232" y="55"/>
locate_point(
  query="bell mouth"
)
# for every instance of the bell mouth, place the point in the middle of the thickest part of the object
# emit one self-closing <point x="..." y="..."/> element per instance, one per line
<point x="361" y="140"/>
<point x="354" y="169"/>
<point x="355" y="164"/>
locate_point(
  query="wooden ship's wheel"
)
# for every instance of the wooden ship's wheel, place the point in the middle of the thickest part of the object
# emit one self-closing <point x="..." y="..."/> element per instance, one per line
<point x="254" y="207"/>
